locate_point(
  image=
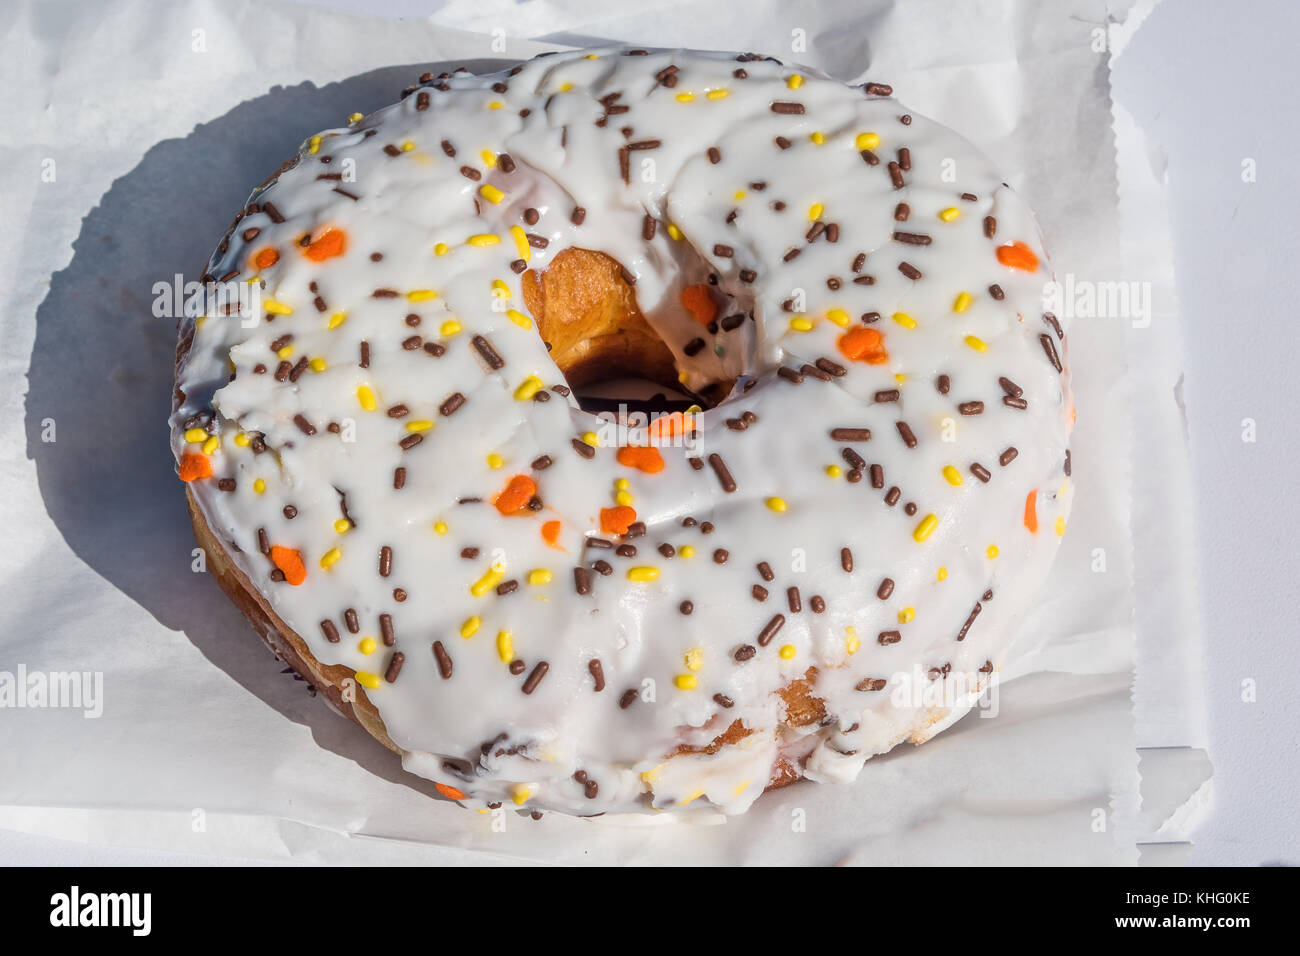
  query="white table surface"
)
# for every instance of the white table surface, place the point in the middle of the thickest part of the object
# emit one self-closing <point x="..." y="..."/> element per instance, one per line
<point x="1212" y="85"/>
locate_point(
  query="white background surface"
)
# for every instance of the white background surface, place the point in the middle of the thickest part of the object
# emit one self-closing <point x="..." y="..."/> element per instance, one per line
<point x="1211" y="84"/>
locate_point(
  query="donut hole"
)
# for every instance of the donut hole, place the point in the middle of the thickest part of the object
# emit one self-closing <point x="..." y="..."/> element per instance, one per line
<point x="587" y="314"/>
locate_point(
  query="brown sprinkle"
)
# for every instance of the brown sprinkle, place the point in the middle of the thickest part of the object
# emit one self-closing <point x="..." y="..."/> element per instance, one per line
<point x="535" y="678"/>
<point x="394" y="666"/>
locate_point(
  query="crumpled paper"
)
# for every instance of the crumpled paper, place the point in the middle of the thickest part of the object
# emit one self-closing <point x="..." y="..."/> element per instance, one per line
<point x="145" y="125"/>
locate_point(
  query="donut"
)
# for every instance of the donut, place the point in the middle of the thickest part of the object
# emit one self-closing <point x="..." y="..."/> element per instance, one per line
<point x="545" y="608"/>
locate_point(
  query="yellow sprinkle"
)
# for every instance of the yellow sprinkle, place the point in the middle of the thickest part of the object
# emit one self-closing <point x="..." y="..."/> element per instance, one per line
<point x="815" y="211"/>
<point x="211" y="445"/>
<point x="276" y="307"/>
<point x="925" y="528"/>
<point x="591" y="438"/>
<point x="694" y="658"/>
<point x="622" y="484"/>
<point x="943" y="574"/>
<point x="528" y="388"/>
<point x="489" y="158"/>
<point x="450" y="327"/>
<point x="739" y="195"/>
<point x="407" y="146"/>
<point x="471" y="626"/>
<point x="976" y="343"/>
<point x="645" y="573"/>
<point x="486" y="583"/>
<point x="624" y="498"/>
<point x="718" y="94"/>
<point x="834" y="471"/>
<point x="317" y="364"/>
<point x="284" y="352"/>
<point x="685" y="682"/>
<point x="196" y="435"/>
<point x="366" y="645"/>
<point x="905" y="320"/>
<point x="519" y="319"/>
<point x="565" y="87"/>
<point x="329" y="557"/>
<point x="337" y="319"/>
<point x="866" y="141"/>
<point x="685" y="97"/>
<point x="949" y="214"/>
<point x="366" y="397"/>
<point x="801" y="324"/>
<point x="900" y="378"/>
<point x="342" y="526"/>
<point x="952" y="474"/>
<point x="686" y="551"/>
<point x="441" y="249"/>
<point x="499" y="286"/>
<point x="788" y="651"/>
<point x="419" y="425"/>
<point x="992" y="551"/>
<point x="521" y="245"/>
<point x="776" y="504"/>
<point x="839" y="317"/>
<point x="906" y="615"/>
<point x="1060" y="526"/>
<point x="495" y="105"/>
<point x="259" y="485"/>
<point x="962" y="302"/>
<point x="242" y="440"/>
<point x="368" y="680"/>
<point x="674" y="232"/>
<point x="495" y="461"/>
<point x="505" y="646"/>
<point x="852" y="643"/>
<point x="421" y="295"/>
<point x="539" y="576"/>
<point x="817" y="138"/>
<point x="794" y="81"/>
<point x="440" y="527"/>
<point x="491" y="193"/>
<point x="483" y="239"/>
<point x="740" y="788"/>
<point x="313" y="145"/>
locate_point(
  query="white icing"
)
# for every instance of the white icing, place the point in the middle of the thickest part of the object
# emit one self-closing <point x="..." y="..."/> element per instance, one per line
<point x="410" y="202"/>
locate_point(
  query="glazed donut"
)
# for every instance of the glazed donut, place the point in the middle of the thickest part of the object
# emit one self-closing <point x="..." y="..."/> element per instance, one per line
<point x="539" y="607"/>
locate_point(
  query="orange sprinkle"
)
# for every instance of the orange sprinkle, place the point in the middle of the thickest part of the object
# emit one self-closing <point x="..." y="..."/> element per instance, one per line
<point x="515" y="498"/>
<point x="195" y="466"/>
<point x="863" y="345"/>
<point x="643" y="459"/>
<point x="1031" y="512"/>
<point x="616" y="520"/>
<point x="1017" y="255"/>
<point x="330" y="243"/>
<point x="289" y="560"/>
<point x="551" y="532"/>
<point x="699" y="303"/>
<point x="265" y="258"/>
<point x="451" y="793"/>
<point x="674" y="423"/>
